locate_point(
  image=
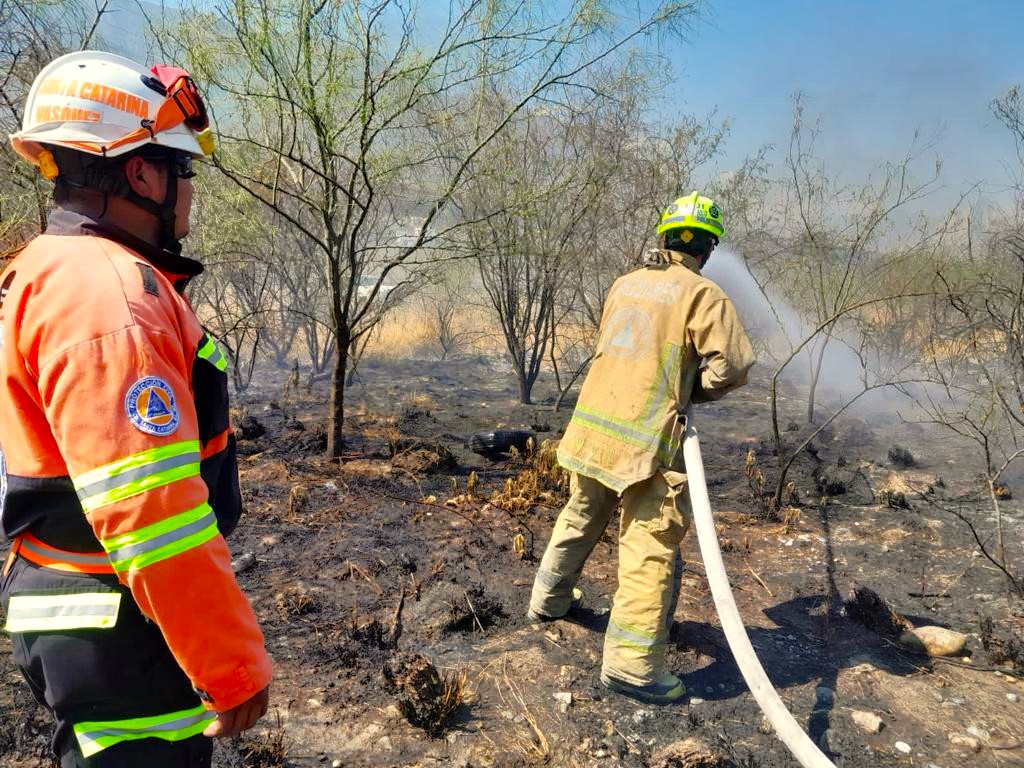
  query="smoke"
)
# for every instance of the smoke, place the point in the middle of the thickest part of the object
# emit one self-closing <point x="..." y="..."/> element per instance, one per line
<point x="777" y="328"/>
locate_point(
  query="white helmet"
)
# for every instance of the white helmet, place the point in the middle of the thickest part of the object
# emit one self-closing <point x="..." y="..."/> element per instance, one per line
<point x="106" y="105"/>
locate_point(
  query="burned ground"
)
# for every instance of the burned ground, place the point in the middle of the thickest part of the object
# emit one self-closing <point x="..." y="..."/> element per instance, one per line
<point x="392" y="589"/>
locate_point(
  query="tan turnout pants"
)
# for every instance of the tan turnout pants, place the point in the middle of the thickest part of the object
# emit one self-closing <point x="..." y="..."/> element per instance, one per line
<point x="655" y="518"/>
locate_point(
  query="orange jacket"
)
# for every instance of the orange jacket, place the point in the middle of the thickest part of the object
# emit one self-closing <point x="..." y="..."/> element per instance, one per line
<point x="114" y="433"/>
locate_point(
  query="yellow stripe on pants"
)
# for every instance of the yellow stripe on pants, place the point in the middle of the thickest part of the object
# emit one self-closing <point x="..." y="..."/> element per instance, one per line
<point x="654" y="521"/>
<point x="655" y="518"/>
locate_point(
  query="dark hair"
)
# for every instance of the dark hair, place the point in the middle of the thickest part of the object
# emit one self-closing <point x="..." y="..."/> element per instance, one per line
<point x="80" y="170"/>
<point x="700" y="244"/>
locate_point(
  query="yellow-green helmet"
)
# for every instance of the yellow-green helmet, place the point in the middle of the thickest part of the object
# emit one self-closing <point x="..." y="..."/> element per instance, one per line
<point x="693" y="211"/>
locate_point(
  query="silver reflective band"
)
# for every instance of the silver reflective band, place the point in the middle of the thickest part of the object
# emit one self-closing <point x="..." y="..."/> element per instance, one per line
<point x="57" y="613"/>
<point x="78" y="558"/>
<point x="137" y="473"/>
<point x="134" y="550"/>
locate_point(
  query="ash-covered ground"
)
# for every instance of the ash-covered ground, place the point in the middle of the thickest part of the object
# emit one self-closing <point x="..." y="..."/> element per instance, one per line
<point x="392" y="589"/>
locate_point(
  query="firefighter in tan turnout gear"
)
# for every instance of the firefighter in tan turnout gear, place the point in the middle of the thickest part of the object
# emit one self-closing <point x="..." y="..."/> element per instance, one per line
<point x="668" y="337"/>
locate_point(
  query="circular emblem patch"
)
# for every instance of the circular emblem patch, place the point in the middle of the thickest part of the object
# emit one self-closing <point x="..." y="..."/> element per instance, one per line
<point x="150" y="406"/>
<point x="715" y="213"/>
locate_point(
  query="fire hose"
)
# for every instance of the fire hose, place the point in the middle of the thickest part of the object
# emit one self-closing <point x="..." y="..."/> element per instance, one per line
<point x="788" y="730"/>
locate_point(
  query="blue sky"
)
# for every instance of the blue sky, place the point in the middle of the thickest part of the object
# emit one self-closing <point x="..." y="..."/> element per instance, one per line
<point x="873" y="71"/>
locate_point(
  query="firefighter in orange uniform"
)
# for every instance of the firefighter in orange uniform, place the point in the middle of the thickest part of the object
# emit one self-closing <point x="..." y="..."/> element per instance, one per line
<point x="118" y="477"/>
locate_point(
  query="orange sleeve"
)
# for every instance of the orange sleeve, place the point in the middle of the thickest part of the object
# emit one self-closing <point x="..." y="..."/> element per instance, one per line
<point x="122" y="414"/>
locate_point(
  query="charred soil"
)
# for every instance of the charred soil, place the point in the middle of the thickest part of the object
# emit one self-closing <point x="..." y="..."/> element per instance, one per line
<point x="392" y="588"/>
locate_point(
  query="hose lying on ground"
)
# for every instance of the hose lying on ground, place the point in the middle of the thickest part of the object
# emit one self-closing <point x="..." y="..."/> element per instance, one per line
<point x="791" y="734"/>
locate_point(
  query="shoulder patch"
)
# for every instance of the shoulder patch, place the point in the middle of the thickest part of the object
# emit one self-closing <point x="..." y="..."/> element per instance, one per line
<point x="149" y="284"/>
<point x="151" y="407"/>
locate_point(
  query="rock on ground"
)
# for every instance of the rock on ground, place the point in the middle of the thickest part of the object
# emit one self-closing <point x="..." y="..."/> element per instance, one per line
<point x="934" y="641"/>
<point x="868" y="722"/>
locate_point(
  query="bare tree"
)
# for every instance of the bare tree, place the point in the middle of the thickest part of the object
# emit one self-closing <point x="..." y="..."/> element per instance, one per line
<point x="342" y="110"/>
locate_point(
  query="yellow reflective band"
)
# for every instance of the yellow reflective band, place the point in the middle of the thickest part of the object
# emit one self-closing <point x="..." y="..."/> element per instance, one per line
<point x="626" y="432"/>
<point x="645" y="432"/>
<point x="59" y="613"/>
<point x="137" y="474"/>
<point x="669" y="365"/>
<point x="212" y="354"/>
<point x="589" y="470"/>
<point x="94" y="737"/>
<point x="159" y="541"/>
<point x="631" y="637"/>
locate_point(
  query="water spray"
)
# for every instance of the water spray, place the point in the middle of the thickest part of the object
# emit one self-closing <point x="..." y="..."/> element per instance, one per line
<point x="789" y="731"/>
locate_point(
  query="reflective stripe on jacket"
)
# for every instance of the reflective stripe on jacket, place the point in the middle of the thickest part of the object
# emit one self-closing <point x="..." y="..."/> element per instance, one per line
<point x="659" y="322"/>
<point x="114" y="434"/>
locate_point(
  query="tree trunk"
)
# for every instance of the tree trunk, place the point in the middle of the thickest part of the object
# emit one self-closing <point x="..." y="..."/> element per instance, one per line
<point x="336" y="413"/>
<point x="815" y="376"/>
<point x="525" y="387"/>
<point x="773" y="396"/>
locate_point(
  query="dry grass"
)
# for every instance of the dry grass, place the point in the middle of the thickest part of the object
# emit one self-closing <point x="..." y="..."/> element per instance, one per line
<point x="533" y="747"/>
<point x="410" y="330"/>
<point x="270" y="750"/>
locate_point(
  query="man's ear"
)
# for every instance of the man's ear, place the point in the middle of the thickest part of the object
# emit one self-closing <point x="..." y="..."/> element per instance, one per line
<point x="143" y="178"/>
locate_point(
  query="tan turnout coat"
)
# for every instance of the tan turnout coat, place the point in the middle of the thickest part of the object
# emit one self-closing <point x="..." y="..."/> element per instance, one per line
<point x="659" y="322"/>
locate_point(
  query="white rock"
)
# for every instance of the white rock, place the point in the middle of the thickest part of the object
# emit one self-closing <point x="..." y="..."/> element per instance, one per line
<point x="641" y="716"/>
<point x="1012" y="697"/>
<point x="903" y="747"/>
<point x="934" y="641"/>
<point x="967" y="742"/>
<point x="868" y="722"/>
<point x="243" y="562"/>
<point x="336" y="763"/>
<point x="564" y="699"/>
<point x="978" y="733"/>
<point x="696" y="701"/>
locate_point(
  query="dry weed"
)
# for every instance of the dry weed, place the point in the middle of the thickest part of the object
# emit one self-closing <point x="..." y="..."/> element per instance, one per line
<point x="763" y="500"/>
<point x="270" y="750"/>
<point x="296" y="600"/>
<point x="534" y="747"/>
<point x="519" y="546"/>
<point x="542" y="482"/>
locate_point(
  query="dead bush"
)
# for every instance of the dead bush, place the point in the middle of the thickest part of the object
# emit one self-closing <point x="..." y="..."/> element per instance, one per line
<point x="542" y="481"/>
<point x="690" y="753"/>
<point x="426" y="698"/>
<point x="867" y="607"/>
